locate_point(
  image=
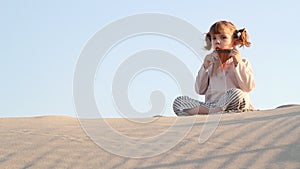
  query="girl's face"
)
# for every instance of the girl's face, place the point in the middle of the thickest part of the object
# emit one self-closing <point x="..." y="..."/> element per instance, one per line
<point x="222" y="40"/>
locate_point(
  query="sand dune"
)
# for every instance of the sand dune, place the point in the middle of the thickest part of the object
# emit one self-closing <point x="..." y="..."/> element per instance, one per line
<point x="259" y="139"/>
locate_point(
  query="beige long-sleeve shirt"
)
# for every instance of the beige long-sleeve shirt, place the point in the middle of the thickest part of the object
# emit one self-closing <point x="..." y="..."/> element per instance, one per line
<point x="214" y="85"/>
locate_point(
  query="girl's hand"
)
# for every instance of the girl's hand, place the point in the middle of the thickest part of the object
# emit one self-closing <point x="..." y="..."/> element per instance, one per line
<point x="209" y="59"/>
<point x="236" y="56"/>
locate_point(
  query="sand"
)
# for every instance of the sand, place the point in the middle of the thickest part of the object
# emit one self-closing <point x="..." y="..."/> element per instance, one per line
<point x="258" y="139"/>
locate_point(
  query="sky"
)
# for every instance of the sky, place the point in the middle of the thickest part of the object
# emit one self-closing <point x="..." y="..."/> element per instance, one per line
<point x="42" y="41"/>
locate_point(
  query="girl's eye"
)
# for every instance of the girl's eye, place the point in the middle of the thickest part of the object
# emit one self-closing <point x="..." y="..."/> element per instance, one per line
<point x="214" y="38"/>
<point x="224" y="37"/>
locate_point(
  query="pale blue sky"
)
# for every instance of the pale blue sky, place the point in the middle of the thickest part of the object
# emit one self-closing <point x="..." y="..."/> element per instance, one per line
<point x="42" y="40"/>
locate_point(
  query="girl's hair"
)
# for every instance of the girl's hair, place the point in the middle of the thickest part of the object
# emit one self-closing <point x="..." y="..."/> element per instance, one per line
<point x="240" y="35"/>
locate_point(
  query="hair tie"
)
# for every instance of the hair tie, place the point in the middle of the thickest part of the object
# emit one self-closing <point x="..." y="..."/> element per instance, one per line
<point x="236" y="34"/>
<point x="242" y="30"/>
<point x="239" y="32"/>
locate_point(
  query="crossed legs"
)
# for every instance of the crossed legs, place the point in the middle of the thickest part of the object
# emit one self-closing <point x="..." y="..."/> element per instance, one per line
<point x="202" y="110"/>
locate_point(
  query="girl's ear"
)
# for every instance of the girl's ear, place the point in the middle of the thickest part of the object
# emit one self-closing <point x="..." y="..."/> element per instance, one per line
<point x="235" y="42"/>
<point x="235" y="38"/>
<point x="208" y="41"/>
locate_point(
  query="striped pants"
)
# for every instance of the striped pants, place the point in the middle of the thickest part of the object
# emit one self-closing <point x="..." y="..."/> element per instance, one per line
<point x="232" y="101"/>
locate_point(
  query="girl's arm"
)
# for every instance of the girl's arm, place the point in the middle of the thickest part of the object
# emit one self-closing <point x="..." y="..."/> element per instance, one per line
<point x="244" y="75"/>
<point x="202" y="81"/>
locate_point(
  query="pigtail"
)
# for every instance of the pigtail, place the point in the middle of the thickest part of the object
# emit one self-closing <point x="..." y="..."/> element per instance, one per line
<point x="242" y="37"/>
<point x="208" y="41"/>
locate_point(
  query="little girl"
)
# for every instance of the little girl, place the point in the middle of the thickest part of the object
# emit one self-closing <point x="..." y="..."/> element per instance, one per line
<point x="225" y="78"/>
